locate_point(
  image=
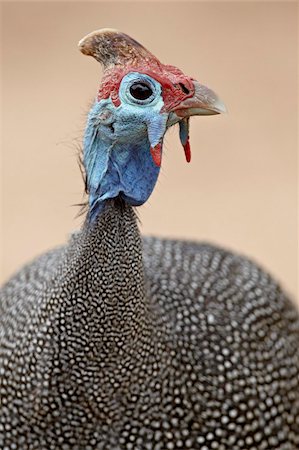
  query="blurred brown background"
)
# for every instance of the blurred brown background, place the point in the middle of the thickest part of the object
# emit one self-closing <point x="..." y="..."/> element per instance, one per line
<point x="240" y="189"/>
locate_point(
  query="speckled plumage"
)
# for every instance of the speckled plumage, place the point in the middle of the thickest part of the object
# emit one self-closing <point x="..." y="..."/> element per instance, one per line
<point x="199" y="350"/>
<point x="114" y="343"/>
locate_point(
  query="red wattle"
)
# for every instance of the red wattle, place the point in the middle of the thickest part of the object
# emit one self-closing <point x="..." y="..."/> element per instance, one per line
<point x="187" y="150"/>
<point x="156" y="153"/>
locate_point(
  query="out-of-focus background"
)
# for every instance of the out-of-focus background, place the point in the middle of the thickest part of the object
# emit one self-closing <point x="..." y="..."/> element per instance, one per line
<point x="240" y="189"/>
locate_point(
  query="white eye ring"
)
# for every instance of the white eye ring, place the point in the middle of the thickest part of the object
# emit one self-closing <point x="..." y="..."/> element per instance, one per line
<point x="142" y="83"/>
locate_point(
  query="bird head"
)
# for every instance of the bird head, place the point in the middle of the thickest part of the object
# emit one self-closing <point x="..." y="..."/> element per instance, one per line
<point x="138" y="100"/>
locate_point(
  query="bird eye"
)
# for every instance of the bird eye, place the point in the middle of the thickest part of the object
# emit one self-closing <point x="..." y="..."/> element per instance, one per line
<point x="140" y="91"/>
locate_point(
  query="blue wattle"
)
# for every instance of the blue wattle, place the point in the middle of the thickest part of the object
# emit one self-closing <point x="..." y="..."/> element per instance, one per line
<point x="117" y="169"/>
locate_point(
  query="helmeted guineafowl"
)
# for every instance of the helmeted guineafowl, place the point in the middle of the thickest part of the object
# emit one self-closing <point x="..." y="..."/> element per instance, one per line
<point x="114" y="342"/>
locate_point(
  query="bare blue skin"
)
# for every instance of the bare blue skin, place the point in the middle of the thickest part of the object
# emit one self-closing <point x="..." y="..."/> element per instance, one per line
<point x="117" y="145"/>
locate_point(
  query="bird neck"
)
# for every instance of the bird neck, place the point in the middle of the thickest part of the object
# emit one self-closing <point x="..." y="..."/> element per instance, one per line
<point x="105" y="270"/>
<point x="116" y="166"/>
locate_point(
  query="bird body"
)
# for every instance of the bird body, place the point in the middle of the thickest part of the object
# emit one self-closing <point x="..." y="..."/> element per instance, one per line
<point x="117" y="342"/>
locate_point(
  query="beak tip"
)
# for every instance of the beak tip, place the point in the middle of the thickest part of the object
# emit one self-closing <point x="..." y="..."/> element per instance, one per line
<point x="220" y="107"/>
<point x="217" y="105"/>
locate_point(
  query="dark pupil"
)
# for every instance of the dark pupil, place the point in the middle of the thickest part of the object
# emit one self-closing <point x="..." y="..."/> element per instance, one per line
<point x="140" y="91"/>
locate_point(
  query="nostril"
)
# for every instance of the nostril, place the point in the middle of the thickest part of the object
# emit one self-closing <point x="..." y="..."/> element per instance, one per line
<point x="184" y="88"/>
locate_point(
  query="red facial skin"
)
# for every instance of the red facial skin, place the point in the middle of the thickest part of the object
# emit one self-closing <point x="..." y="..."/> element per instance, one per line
<point x="187" y="150"/>
<point x="156" y="153"/>
<point x="175" y="85"/>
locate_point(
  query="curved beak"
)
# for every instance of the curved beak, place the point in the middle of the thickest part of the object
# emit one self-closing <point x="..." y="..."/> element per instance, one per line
<point x="204" y="102"/>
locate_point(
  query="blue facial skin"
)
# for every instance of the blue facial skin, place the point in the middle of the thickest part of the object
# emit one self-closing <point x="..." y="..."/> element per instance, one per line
<point x="117" y="145"/>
